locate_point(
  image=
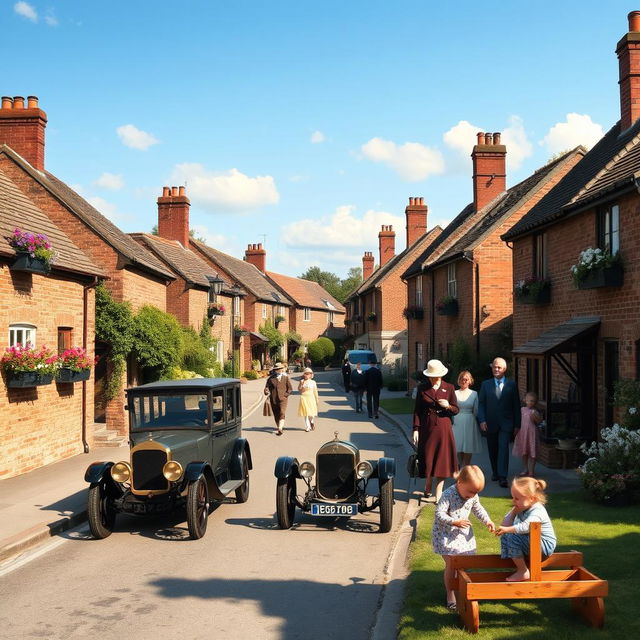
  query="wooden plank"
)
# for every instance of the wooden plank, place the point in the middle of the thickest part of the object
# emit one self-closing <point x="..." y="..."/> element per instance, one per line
<point x="499" y="576"/>
<point x="535" y="557"/>
<point x="571" y="559"/>
<point x="535" y="590"/>
<point x="591" y="609"/>
<point x="489" y="561"/>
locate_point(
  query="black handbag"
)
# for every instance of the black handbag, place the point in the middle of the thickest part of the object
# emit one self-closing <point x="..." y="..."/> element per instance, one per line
<point x="412" y="465"/>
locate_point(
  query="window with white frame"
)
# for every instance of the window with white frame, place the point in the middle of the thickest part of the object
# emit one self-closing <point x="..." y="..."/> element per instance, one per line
<point x="307" y="314"/>
<point x="264" y="311"/>
<point x="452" y="285"/>
<point x="609" y="229"/>
<point x="419" y="291"/>
<point x="236" y="306"/>
<point x="330" y="315"/>
<point x="20" y="334"/>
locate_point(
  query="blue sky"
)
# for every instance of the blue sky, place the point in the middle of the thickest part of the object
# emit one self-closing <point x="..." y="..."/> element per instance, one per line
<point x="310" y="123"/>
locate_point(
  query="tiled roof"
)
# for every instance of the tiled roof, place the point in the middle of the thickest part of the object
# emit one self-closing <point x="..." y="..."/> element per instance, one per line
<point x="101" y="225"/>
<point x="499" y="210"/>
<point x="381" y="273"/>
<point x="306" y="293"/>
<point x="16" y="210"/>
<point x="551" y="207"/>
<point x="246" y="275"/>
<point x="184" y="262"/>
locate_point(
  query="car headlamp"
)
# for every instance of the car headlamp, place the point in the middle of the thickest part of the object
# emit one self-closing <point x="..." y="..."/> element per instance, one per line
<point x="172" y="471"/>
<point x="121" y="472"/>
<point x="364" y="469"/>
<point x="307" y="470"/>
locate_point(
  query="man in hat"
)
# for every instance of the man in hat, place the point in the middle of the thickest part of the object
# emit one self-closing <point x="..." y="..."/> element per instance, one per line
<point x="278" y="388"/>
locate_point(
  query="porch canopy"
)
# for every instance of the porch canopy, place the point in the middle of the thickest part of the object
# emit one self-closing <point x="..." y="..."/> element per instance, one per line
<point x="561" y="368"/>
<point x="255" y="336"/>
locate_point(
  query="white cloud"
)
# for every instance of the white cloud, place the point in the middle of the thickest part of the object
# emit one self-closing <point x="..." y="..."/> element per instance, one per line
<point x="135" y="138"/>
<point x="225" y="190"/>
<point x="111" y="181"/>
<point x="215" y="240"/>
<point x="51" y="20"/>
<point x="463" y="136"/>
<point x="575" y="130"/>
<point x="412" y="161"/>
<point x="25" y="10"/>
<point x="340" y="229"/>
<point x="317" y="137"/>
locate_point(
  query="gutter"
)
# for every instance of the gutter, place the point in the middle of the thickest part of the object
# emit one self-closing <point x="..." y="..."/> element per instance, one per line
<point x="85" y="337"/>
<point x="468" y="255"/>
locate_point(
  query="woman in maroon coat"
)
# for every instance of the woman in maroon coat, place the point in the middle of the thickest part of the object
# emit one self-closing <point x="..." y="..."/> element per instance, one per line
<point x="436" y="402"/>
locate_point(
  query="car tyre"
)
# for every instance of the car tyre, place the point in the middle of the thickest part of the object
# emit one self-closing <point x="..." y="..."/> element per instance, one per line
<point x="286" y="502"/>
<point x="242" y="492"/>
<point x="100" y="513"/>
<point x="386" y="505"/>
<point x="197" y="508"/>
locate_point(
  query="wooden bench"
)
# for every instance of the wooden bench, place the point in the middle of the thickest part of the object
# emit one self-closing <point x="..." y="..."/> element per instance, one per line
<point x="482" y="577"/>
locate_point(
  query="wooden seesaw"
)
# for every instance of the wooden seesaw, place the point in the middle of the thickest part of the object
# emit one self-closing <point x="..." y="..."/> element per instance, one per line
<point x="476" y="579"/>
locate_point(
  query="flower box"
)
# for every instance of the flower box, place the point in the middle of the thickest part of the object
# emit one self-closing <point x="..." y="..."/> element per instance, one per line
<point x="612" y="276"/>
<point x="372" y="317"/>
<point x="66" y="375"/>
<point x="214" y="311"/>
<point x="417" y="313"/>
<point x="25" y="262"/>
<point x="533" y="291"/>
<point x="25" y="379"/>
<point x="447" y="308"/>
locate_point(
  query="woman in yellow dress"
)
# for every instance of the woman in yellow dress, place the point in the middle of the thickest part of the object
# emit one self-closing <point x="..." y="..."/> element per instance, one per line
<point x="308" y="408"/>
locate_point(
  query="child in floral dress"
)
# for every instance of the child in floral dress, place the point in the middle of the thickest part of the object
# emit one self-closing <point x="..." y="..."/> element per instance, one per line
<point x="452" y="534"/>
<point x="526" y="443"/>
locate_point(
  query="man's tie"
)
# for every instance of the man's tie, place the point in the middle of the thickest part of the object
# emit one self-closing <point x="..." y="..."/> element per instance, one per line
<point x="498" y="390"/>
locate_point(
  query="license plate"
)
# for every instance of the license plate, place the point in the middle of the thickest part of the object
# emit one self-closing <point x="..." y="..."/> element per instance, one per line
<point x="319" y="509"/>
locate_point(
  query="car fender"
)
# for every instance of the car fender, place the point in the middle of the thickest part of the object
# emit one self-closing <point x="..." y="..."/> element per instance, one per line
<point x="240" y="448"/>
<point x="386" y="468"/>
<point x="96" y="471"/>
<point x="194" y="470"/>
<point x="286" y="466"/>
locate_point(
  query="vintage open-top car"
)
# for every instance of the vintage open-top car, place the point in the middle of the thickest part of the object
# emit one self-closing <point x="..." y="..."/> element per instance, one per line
<point x="186" y="450"/>
<point x="340" y="488"/>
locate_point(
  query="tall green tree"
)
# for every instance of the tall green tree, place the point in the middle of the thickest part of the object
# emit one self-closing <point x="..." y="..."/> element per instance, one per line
<point x="337" y="287"/>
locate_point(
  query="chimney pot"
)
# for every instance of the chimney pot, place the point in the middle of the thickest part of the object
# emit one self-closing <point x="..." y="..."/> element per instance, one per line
<point x="181" y="191"/>
<point x="18" y="102"/>
<point x="496" y="137"/>
<point x="488" y="139"/>
<point x="480" y="135"/>
<point x="32" y="102"/>
<point x="634" y="21"/>
<point x="166" y="192"/>
<point x="174" y="191"/>
<point x="421" y="201"/>
<point x="7" y="102"/>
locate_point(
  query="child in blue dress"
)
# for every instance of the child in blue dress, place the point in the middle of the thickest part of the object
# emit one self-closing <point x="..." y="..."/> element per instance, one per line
<point x="452" y="534"/>
<point x="528" y="506"/>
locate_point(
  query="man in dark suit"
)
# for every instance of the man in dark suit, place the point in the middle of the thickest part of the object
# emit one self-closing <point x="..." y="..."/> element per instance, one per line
<point x="278" y="388"/>
<point x="499" y="415"/>
<point x="373" y="385"/>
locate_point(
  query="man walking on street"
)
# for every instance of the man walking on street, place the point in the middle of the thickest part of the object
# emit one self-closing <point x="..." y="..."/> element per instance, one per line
<point x="499" y="415"/>
<point x="373" y="385"/>
<point x="278" y="388"/>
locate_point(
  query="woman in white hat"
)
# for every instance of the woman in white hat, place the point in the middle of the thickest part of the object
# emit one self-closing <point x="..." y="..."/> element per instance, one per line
<point x="308" y="408"/>
<point x="278" y="388"/>
<point x="436" y="403"/>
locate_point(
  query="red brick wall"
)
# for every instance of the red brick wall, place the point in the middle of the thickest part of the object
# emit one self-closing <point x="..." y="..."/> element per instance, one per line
<point x="43" y="424"/>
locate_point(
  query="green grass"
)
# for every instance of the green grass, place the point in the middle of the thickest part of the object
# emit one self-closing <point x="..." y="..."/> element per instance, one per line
<point x="398" y="405"/>
<point x="608" y="537"/>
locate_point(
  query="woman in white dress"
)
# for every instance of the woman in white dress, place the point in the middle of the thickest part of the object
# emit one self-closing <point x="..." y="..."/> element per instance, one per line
<point x="308" y="399"/>
<point x="465" y="425"/>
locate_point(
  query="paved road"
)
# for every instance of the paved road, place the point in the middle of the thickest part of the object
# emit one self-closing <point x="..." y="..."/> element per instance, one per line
<point x="244" y="579"/>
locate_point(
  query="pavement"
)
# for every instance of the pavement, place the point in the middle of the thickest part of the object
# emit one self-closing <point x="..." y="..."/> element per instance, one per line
<point x="42" y="503"/>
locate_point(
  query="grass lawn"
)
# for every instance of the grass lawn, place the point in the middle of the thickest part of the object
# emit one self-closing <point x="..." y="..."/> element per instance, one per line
<point x="608" y="537"/>
<point x="398" y="405"/>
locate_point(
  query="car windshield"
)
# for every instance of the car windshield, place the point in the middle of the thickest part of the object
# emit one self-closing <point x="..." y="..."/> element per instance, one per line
<point x="175" y="411"/>
<point x="362" y="358"/>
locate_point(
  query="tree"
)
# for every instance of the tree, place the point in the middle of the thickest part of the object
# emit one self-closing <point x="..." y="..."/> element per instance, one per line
<point x="339" y="289"/>
<point x="350" y="283"/>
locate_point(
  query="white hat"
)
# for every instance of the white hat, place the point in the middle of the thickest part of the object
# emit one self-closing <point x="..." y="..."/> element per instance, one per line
<point x="276" y="366"/>
<point x="308" y="370"/>
<point x="435" y="369"/>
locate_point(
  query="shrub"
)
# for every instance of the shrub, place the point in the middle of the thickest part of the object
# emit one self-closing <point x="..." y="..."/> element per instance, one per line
<point x="396" y="383"/>
<point x="327" y="347"/>
<point x="195" y="356"/>
<point x="316" y="352"/>
<point x="627" y="396"/>
<point x="250" y="375"/>
<point x="158" y="341"/>
<point x="176" y="373"/>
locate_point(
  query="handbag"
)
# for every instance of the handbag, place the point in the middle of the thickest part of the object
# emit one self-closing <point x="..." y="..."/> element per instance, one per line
<point x="412" y="465"/>
<point x="266" y="408"/>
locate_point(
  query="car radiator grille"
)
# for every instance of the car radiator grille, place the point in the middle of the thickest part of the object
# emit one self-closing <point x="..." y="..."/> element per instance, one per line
<point x="336" y="475"/>
<point x="147" y="470"/>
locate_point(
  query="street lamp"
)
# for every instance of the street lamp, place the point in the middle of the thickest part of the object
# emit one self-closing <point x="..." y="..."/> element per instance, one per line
<point x="215" y="284"/>
<point x="235" y="292"/>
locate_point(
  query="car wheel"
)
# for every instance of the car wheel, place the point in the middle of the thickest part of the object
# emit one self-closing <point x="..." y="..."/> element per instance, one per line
<point x="242" y="492"/>
<point x="197" y="508"/>
<point x="100" y="512"/>
<point x="386" y="505"/>
<point x="286" y="502"/>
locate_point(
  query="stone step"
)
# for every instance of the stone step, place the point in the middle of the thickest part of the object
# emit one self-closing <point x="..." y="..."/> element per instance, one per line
<point x="104" y="437"/>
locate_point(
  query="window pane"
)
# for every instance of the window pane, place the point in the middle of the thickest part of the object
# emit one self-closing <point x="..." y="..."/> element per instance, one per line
<point x="615" y="229"/>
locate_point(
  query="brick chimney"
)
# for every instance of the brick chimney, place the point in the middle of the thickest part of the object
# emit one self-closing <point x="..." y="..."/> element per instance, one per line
<point x="489" y="169"/>
<point x="22" y="128"/>
<point x="628" y="51"/>
<point x="173" y="215"/>
<point x="416" y="214"/>
<point x="257" y="256"/>
<point x="386" y="243"/>
<point x="367" y="265"/>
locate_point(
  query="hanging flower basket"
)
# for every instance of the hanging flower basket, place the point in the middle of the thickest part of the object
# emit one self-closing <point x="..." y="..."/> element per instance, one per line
<point x="596" y="268"/>
<point x="448" y="306"/>
<point x="240" y="331"/>
<point x="372" y="317"/>
<point x="25" y="379"/>
<point x="66" y="375"/>
<point x="33" y="251"/>
<point x="215" y="310"/>
<point x="533" y="291"/>
<point x="24" y="262"/>
<point x="417" y="313"/>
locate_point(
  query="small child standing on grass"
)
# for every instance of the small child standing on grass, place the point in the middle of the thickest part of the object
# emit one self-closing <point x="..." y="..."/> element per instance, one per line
<point x="526" y="443"/>
<point x="528" y="506"/>
<point x="452" y="534"/>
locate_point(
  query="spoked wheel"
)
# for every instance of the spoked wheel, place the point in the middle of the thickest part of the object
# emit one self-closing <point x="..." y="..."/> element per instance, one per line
<point x="386" y="505"/>
<point x="100" y="512"/>
<point x="286" y="502"/>
<point x="242" y="492"/>
<point x="197" y="508"/>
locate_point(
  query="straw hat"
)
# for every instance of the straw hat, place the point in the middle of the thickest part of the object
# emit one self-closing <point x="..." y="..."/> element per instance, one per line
<point x="277" y="366"/>
<point x="308" y="370"/>
<point x="435" y="369"/>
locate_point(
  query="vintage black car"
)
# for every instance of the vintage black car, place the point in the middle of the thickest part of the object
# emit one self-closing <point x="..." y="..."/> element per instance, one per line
<point x="186" y="450"/>
<point x="340" y="488"/>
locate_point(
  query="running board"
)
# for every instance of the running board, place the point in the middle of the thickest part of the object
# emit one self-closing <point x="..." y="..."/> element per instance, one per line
<point x="229" y="486"/>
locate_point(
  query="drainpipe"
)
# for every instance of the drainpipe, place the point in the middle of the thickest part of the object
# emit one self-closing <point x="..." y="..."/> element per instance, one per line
<point x="468" y="255"/>
<point x="432" y="327"/>
<point x="85" y="337"/>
